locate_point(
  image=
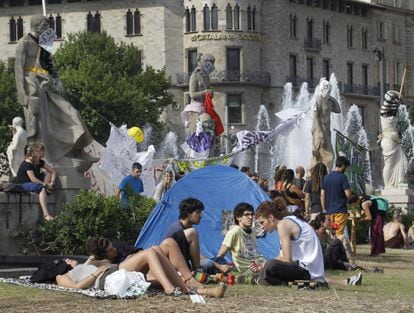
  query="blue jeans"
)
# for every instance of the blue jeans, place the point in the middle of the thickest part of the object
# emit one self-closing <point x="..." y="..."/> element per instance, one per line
<point x="32" y="187"/>
<point x="207" y="265"/>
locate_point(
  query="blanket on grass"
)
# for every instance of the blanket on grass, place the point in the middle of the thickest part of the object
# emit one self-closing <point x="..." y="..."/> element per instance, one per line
<point x="94" y="293"/>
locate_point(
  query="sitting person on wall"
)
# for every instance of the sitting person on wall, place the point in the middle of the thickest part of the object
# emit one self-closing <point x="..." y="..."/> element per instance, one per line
<point x="28" y="176"/>
<point x="394" y="233"/>
<point x="162" y="188"/>
<point x="44" y="171"/>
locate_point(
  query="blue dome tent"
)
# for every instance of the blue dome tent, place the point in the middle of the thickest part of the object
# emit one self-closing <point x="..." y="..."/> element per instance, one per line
<point x="220" y="188"/>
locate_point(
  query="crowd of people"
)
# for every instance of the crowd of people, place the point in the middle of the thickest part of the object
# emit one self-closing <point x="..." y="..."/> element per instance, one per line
<point x="310" y="217"/>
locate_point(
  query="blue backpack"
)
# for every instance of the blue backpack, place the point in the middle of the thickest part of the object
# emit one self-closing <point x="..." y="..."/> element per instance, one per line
<point x="382" y="204"/>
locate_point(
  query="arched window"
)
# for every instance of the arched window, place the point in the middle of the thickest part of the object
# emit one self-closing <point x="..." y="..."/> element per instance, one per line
<point x="58" y="26"/>
<point x="249" y="18"/>
<point x="19" y="27"/>
<point x="187" y="20"/>
<point x="137" y="22"/>
<point x="13" y="34"/>
<point x="129" y="23"/>
<point x="236" y="13"/>
<point x="97" y="22"/>
<point x="229" y="17"/>
<point x="193" y="19"/>
<point x="89" y="22"/>
<point x="214" y="17"/>
<point x="206" y="17"/>
<point x="93" y="22"/>
<point x="254" y="19"/>
<point x="51" y="21"/>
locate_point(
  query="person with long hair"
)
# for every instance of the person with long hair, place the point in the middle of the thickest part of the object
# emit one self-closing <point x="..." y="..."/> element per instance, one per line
<point x="313" y="186"/>
<point x="294" y="195"/>
<point x="32" y="180"/>
<point x="152" y="262"/>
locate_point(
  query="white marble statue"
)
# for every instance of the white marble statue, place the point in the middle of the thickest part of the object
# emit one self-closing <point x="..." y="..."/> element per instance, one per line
<point x="395" y="161"/>
<point x="15" y="151"/>
<point x="322" y="151"/>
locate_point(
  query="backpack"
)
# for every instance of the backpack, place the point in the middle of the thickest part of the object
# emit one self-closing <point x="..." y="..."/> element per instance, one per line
<point x="382" y="204"/>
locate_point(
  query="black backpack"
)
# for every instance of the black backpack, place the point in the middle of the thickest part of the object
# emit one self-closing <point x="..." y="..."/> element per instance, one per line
<point x="47" y="271"/>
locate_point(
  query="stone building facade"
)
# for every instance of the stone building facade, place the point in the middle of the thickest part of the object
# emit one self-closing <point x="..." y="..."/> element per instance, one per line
<point x="259" y="46"/>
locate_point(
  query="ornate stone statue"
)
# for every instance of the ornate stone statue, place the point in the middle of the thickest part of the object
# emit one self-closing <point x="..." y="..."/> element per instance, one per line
<point x="200" y="122"/>
<point x="322" y="151"/>
<point x="15" y="151"/>
<point x="50" y="118"/>
<point x="395" y="161"/>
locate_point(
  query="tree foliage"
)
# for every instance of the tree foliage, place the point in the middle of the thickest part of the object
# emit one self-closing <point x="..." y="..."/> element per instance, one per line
<point x="102" y="76"/>
<point x="9" y="107"/>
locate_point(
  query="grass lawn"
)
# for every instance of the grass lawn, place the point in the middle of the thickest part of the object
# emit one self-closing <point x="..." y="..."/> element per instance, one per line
<point x="392" y="291"/>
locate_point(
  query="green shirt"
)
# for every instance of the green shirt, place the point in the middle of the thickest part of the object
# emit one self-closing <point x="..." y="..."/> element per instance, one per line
<point x="243" y="247"/>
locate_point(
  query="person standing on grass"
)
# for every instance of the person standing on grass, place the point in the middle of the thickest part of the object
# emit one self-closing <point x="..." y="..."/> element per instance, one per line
<point x="334" y="198"/>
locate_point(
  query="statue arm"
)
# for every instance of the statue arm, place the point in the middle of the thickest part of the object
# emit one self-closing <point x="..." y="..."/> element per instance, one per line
<point x="194" y="92"/>
<point x="20" y="62"/>
<point x="335" y="107"/>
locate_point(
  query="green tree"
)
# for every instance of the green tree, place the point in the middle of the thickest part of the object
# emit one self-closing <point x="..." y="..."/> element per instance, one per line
<point x="102" y="76"/>
<point x="9" y="107"/>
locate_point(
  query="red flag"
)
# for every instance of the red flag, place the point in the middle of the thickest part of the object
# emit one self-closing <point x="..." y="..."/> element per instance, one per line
<point x="208" y="103"/>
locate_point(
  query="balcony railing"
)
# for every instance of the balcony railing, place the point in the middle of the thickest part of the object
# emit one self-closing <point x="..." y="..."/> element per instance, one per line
<point x="297" y="81"/>
<point x="359" y="89"/>
<point x="253" y="77"/>
<point x="313" y="44"/>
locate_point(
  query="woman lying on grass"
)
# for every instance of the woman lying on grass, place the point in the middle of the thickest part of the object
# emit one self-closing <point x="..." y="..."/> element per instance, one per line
<point x="152" y="262"/>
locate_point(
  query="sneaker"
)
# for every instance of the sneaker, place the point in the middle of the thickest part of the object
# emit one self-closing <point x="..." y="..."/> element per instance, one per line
<point x="355" y="280"/>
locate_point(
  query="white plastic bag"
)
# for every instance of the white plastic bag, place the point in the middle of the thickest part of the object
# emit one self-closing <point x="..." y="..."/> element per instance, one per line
<point x="123" y="284"/>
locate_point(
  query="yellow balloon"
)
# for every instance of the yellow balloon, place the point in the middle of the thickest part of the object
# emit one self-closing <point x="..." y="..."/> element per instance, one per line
<point x="136" y="133"/>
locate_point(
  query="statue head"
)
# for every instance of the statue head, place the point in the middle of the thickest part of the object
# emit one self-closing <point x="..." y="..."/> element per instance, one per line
<point x="324" y="87"/>
<point x="391" y="102"/>
<point x="17" y="122"/>
<point x="38" y="24"/>
<point x="206" y="63"/>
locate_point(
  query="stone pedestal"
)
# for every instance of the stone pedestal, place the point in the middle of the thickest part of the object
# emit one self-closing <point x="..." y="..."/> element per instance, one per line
<point x="69" y="182"/>
<point x="401" y="197"/>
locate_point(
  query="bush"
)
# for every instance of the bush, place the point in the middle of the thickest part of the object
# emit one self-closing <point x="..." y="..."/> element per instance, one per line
<point x="90" y="214"/>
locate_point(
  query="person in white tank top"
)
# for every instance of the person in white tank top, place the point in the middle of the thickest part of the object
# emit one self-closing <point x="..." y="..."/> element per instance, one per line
<point x="300" y="257"/>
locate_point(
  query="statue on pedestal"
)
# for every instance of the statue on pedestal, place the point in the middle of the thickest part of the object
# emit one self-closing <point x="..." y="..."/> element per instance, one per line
<point x="395" y="161"/>
<point x="15" y="151"/>
<point x="322" y="151"/>
<point x="201" y="122"/>
<point x="49" y="117"/>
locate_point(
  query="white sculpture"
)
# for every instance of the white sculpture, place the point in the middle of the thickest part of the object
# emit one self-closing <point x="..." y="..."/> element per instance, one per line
<point x="15" y="151"/>
<point x="395" y="161"/>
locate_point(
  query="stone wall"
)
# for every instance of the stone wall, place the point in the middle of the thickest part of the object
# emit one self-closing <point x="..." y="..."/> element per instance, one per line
<point x="18" y="209"/>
